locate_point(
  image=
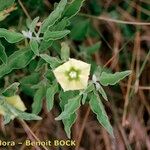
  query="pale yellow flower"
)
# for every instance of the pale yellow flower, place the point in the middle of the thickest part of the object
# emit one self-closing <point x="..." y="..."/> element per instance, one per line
<point x="73" y="75"/>
<point x="14" y="101"/>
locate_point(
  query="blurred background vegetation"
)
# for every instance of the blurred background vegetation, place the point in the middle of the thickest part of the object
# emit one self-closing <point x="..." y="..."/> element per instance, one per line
<point x="111" y="33"/>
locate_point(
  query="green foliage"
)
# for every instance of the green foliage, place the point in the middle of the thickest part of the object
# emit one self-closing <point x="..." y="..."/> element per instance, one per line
<point x="11" y="90"/>
<point x="80" y="33"/>
<point x="40" y="52"/>
<point x="4" y="4"/>
<point x="55" y="35"/>
<point x="65" y="51"/>
<point x="70" y="108"/>
<point x="50" y="93"/>
<point x="52" y="61"/>
<point x="33" y="24"/>
<point x="27" y="82"/>
<point x="17" y="60"/>
<point x="73" y="8"/>
<point x="94" y="48"/>
<point x="102" y="92"/>
<point x="98" y="108"/>
<point x="34" y="46"/>
<point x="54" y="16"/>
<point x="12" y="113"/>
<point x="111" y="79"/>
<point x="3" y="55"/>
<point x="11" y="37"/>
<point x="68" y="124"/>
<point x="38" y="99"/>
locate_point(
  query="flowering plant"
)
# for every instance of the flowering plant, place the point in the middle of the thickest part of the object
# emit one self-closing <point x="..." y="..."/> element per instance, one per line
<point x="46" y="77"/>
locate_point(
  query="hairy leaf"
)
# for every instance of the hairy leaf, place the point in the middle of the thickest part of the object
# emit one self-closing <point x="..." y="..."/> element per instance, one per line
<point x="17" y="60"/>
<point x="12" y="112"/>
<point x="55" y="35"/>
<point x="111" y="79"/>
<point x="102" y="92"/>
<point x="33" y="24"/>
<point x="44" y="45"/>
<point x="29" y="81"/>
<point x="38" y="99"/>
<point x="65" y="51"/>
<point x="52" y="61"/>
<point x="98" y="108"/>
<point x="65" y="96"/>
<point x="54" y="16"/>
<point x="11" y="37"/>
<point x="3" y="55"/>
<point x="50" y="93"/>
<point x="70" y="108"/>
<point x="84" y="97"/>
<point x="11" y="90"/>
<point x="34" y="46"/>
<point x="68" y="124"/>
<point x="61" y="25"/>
<point x="85" y="92"/>
<point x="73" y="8"/>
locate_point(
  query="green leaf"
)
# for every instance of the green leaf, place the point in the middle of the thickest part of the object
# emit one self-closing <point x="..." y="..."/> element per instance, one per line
<point x="4" y="4"/>
<point x="89" y="88"/>
<point x="11" y="37"/>
<point x="65" y="51"/>
<point x="49" y="75"/>
<point x="98" y="108"/>
<point x="3" y="55"/>
<point x="50" y="93"/>
<point x="73" y="8"/>
<point x="27" y="116"/>
<point x="40" y="64"/>
<point x="7" y="119"/>
<point x="94" y="48"/>
<point x="79" y="30"/>
<point x="52" y="61"/>
<point x="95" y="7"/>
<point x="70" y="108"/>
<point x="3" y="15"/>
<point x="11" y="90"/>
<point x="34" y="46"/>
<point x="85" y="92"/>
<point x="64" y="96"/>
<point x="17" y="60"/>
<point x="28" y="81"/>
<point x="55" y="35"/>
<point x="111" y="79"/>
<point x="38" y="99"/>
<point x="54" y="16"/>
<point x="61" y="25"/>
<point x="102" y="92"/>
<point x="84" y="97"/>
<point x="33" y="24"/>
<point x="68" y="124"/>
<point x="44" y="45"/>
<point x="12" y="112"/>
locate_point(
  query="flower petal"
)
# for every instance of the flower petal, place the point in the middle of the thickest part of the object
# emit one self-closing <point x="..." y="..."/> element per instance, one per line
<point x="79" y="64"/>
<point x="16" y="102"/>
<point x="74" y="84"/>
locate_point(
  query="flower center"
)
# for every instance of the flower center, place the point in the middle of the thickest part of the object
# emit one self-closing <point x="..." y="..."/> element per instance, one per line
<point x="73" y="74"/>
